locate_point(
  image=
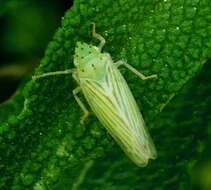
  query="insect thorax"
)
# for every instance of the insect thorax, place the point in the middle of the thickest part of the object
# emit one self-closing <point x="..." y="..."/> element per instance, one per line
<point x="90" y="62"/>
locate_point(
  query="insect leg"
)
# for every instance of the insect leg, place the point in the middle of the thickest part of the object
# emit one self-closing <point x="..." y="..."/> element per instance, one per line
<point x="136" y="72"/>
<point x="98" y="36"/>
<point x="80" y="103"/>
<point x="65" y="72"/>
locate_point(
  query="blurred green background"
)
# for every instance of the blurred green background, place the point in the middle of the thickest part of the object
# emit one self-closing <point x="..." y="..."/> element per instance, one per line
<point x="26" y="27"/>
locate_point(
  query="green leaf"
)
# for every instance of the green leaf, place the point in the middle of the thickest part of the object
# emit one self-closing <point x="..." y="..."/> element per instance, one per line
<point x="46" y="147"/>
<point x="183" y="141"/>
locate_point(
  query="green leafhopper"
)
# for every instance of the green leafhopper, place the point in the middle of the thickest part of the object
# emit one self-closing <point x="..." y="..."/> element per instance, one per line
<point x="110" y="98"/>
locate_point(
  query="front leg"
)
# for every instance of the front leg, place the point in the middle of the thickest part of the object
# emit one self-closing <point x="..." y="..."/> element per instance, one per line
<point x="44" y="75"/>
<point x="136" y="72"/>
<point x="80" y="103"/>
<point x="98" y="37"/>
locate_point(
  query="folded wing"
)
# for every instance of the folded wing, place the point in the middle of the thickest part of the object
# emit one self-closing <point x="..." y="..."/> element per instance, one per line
<point x="114" y="105"/>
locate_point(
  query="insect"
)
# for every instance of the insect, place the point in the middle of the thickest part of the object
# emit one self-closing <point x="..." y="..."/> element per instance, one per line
<point x="110" y="98"/>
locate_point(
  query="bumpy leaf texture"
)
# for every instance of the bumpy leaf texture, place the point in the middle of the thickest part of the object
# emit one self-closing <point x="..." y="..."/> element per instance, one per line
<point x="43" y="146"/>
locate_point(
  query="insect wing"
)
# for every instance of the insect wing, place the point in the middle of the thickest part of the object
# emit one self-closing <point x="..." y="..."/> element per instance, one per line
<point x="114" y="105"/>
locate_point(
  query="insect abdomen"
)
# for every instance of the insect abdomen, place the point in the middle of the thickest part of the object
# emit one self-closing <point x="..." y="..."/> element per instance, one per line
<point x="114" y="105"/>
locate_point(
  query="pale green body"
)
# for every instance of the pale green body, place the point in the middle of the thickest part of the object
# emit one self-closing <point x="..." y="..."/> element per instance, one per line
<point x="110" y="98"/>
